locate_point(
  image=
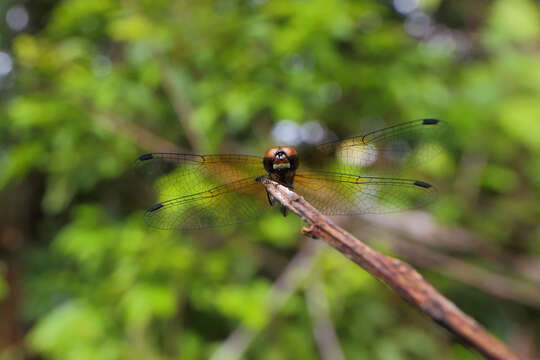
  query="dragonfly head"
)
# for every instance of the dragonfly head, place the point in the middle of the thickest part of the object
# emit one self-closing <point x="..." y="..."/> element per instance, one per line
<point x="280" y="158"/>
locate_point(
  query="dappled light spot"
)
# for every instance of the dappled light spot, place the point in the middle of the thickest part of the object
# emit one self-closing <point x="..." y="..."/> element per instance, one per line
<point x="311" y="132"/>
<point x="418" y="25"/>
<point x="405" y="6"/>
<point x="17" y="18"/>
<point x="287" y="132"/>
<point x="6" y="64"/>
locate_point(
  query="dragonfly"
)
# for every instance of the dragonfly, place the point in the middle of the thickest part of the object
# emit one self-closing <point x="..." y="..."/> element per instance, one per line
<point x="205" y="191"/>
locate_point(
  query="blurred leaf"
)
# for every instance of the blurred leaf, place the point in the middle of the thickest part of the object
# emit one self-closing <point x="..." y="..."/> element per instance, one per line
<point x="500" y="178"/>
<point x="245" y="304"/>
<point x="144" y="302"/>
<point x="517" y="20"/>
<point x="74" y="330"/>
<point x="519" y="118"/>
<point x="131" y="28"/>
<point x="278" y="230"/>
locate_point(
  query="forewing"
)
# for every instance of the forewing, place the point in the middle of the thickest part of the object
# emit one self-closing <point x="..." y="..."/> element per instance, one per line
<point x="399" y="146"/>
<point x="183" y="174"/>
<point x="343" y="194"/>
<point x="237" y="202"/>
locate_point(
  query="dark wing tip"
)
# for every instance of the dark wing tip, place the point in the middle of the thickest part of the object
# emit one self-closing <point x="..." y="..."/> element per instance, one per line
<point x="155" y="207"/>
<point x="430" y="122"/>
<point x="422" y="184"/>
<point x="146" y="157"/>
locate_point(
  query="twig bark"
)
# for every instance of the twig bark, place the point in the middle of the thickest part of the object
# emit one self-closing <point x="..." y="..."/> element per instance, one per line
<point x="455" y="239"/>
<point x="502" y="286"/>
<point x="402" y="278"/>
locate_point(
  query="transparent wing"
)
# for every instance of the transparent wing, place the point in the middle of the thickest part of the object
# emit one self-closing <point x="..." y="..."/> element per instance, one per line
<point x="406" y="144"/>
<point x="182" y="174"/>
<point x="233" y="203"/>
<point x="343" y="194"/>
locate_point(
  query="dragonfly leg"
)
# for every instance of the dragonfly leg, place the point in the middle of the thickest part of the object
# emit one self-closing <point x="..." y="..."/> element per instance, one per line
<point x="270" y="198"/>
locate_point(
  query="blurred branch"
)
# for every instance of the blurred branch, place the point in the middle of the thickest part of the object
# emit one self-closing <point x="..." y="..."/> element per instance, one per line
<point x="267" y="258"/>
<point x="323" y="328"/>
<point x="11" y="333"/>
<point x="498" y="285"/>
<point x="422" y="228"/>
<point x="469" y="174"/>
<point x="290" y="279"/>
<point x="406" y="281"/>
<point x="143" y="137"/>
<point x="182" y="107"/>
<point x="523" y="339"/>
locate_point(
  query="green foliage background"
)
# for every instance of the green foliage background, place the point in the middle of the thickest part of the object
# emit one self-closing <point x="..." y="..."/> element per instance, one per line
<point x="96" y="83"/>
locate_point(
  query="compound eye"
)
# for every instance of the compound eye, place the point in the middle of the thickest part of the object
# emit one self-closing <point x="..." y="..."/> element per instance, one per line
<point x="270" y="153"/>
<point x="288" y="150"/>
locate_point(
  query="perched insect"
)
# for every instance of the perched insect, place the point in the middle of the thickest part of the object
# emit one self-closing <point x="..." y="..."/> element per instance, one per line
<point x="214" y="190"/>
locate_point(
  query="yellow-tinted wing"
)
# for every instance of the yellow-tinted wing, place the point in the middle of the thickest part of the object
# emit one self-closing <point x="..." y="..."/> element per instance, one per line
<point x="233" y="203"/>
<point x="183" y="174"/>
<point x="403" y="145"/>
<point x="343" y="194"/>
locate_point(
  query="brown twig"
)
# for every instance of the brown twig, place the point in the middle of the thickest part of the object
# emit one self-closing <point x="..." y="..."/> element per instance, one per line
<point x="499" y="285"/>
<point x="406" y="281"/>
<point x="454" y="239"/>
